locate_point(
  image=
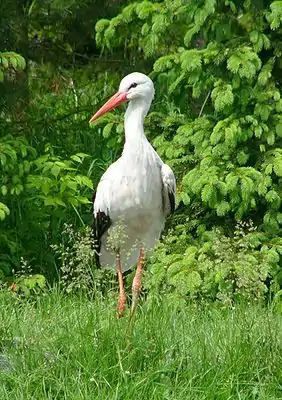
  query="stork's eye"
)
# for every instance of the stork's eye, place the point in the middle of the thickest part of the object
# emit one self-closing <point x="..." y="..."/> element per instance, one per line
<point x="133" y="85"/>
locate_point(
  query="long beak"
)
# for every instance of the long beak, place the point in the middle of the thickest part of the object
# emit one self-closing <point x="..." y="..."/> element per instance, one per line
<point x="115" y="100"/>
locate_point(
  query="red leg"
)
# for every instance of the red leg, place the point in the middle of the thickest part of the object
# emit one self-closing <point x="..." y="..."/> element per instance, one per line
<point x="136" y="286"/>
<point x="122" y="298"/>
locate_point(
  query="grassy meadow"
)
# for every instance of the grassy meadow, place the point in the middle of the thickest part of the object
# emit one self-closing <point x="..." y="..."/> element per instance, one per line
<point x="72" y="347"/>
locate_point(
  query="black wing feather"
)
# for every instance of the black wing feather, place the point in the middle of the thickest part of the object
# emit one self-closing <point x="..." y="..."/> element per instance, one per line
<point x="101" y="224"/>
<point x="171" y="198"/>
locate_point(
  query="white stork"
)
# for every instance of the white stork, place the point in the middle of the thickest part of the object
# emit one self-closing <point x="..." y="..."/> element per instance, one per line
<point x="137" y="191"/>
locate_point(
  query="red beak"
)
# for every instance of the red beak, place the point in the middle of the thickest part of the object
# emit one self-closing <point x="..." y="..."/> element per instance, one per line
<point x="115" y="100"/>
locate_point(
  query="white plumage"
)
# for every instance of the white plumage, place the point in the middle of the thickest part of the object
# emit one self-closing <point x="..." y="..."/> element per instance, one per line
<point x="138" y="189"/>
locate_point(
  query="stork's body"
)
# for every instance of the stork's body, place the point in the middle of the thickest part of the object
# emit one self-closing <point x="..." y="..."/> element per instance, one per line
<point x="137" y="204"/>
<point x="137" y="191"/>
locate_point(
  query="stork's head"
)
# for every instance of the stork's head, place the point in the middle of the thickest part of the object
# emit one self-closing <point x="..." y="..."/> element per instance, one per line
<point x="132" y="87"/>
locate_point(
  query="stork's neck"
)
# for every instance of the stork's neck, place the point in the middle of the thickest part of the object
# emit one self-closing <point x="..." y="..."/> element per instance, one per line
<point x="134" y="123"/>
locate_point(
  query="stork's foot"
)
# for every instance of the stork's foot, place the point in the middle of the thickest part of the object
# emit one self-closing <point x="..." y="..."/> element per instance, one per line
<point x="121" y="304"/>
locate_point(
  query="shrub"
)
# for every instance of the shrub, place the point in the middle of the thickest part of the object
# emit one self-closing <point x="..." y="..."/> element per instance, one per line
<point x="215" y="267"/>
<point x="77" y="268"/>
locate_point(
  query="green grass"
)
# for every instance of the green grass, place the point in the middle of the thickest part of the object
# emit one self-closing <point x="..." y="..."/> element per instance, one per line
<point x="61" y="347"/>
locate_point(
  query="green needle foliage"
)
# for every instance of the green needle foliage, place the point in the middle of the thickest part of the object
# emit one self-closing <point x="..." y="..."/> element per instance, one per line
<point x="235" y="138"/>
<point x="217" y="67"/>
<point x="10" y="60"/>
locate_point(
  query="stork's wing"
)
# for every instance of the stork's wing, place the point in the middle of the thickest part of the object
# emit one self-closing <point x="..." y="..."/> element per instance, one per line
<point x="169" y="189"/>
<point x="102" y="221"/>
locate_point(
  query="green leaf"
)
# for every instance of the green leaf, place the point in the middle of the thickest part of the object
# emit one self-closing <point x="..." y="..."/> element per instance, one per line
<point x="207" y="193"/>
<point x="273" y="197"/>
<point x="270" y="138"/>
<point x="76" y="158"/>
<point x="54" y="201"/>
<point x="21" y="62"/>
<point x="4" y="190"/>
<point x="222" y="96"/>
<point x="107" y="130"/>
<point x="275" y="17"/>
<point x="222" y="208"/>
<point x="164" y="63"/>
<point x="254" y="35"/>
<point x="55" y="170"/>
<point x="245" y="62"/>
<point x="2" y="214"/>
<point x="101" y="25"/>
<point x="191" y="60"/>
<point x="4" y="211"/>
<point x="145" y="29"/>
<point x="87" y="182"/>
<point x="278" y="167"/>
<point x="4" y="61"/>
<point x="13" y="61"/>
<point x="258" y="131"/>
<point x="278" y="129"/>
<point x="83" y="200"/>
<point x="242" y="157"/>
<point x="185" y="198"/>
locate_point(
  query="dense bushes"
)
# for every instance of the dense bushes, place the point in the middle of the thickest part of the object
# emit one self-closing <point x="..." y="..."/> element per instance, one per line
<point x="51" y="80"/>
<point x="217" y="66"/>
<point x="46" y="177"/>
<point x="216" y="120"/>
<point x="217" y="267"/>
